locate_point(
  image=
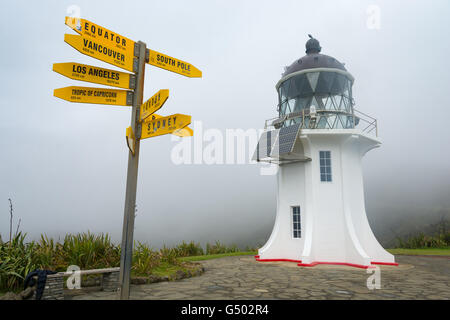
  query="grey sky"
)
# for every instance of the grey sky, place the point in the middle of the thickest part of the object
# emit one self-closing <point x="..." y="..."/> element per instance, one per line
<point x="64" y="165"/>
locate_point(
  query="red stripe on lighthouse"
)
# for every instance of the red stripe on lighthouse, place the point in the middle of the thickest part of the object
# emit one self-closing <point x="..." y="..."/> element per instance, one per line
<point x="312" y="264"/>
<point x="276" y="260"/>
<point x="385" y="263"/>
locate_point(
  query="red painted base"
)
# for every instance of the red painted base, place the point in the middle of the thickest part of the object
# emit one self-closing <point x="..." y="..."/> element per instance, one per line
<point x="272" y="260"/>
<point x="385" y="263"/>
<point x="334" y="263"/>
<point x="300" y="264"/>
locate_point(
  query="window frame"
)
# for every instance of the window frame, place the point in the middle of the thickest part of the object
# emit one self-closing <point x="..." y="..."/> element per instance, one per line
<point x="294" y="227"/>
<point x="327" y="168"/>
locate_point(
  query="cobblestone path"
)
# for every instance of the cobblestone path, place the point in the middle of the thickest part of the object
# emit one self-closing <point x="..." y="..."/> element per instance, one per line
<point x="241" y="277"/>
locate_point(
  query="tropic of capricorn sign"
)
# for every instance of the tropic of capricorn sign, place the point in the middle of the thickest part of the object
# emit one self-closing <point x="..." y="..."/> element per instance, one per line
<point x="103" y="44"/>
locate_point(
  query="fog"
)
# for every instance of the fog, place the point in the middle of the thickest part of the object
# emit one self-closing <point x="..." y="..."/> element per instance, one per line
<point x="64" y="164"/>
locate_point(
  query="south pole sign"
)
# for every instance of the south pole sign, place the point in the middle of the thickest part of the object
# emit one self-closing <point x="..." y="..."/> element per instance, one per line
<point x="103" y="44"/>
<point x="166" y="62"/>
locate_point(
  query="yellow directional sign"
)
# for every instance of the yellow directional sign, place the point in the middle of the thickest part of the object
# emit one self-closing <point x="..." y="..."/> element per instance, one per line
<point x="101" y="51"/>
<point x="154" y="103"/>
<point x="131" y="141"/>
<point x="102" y="35"/>
<point x="98" y="75"/>
<point x="183" y="132"/>
<point x="95" y="95"/>
<point x="163" y="61"/>
<point x="164" y="125"/>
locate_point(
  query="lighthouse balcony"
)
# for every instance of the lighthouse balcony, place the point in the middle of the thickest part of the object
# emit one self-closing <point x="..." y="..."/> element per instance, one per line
<point x="325" y="119"/>
<point x="277" y="142"/>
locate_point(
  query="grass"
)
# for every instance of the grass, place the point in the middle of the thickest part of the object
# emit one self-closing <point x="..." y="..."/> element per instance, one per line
<point x="220" y="255"/>
<point x="170" y="270"/>
<point x="397" y="251"/>
<point x="423" y="251"/>
<point x="166" y="269"/>
<point x="437" y="244"/>
<point x="91" y="251"/>
<point x="441" y="239"/>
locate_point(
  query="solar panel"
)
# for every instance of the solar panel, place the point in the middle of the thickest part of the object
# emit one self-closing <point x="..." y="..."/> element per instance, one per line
<point x="265" y="144"/>
<point x="285" y="141"/>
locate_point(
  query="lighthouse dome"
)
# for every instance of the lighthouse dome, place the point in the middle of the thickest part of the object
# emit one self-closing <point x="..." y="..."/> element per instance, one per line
<point x="319" y="82"/>
<point x="313" y="59"/>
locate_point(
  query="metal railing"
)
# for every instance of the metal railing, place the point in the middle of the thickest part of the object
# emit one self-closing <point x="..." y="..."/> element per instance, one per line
<point x="370" y="124"/>
<point x="366" y="123"/>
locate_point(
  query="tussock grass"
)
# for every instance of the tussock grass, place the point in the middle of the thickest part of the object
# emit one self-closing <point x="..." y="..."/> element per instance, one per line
<point x="92" y="251"/>
<point x="422" y="241"/>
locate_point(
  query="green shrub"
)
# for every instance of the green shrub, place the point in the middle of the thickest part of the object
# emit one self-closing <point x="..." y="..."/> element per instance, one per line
<point x="189" y="249"/>
<point x="446" y="238"/>
<point x="89" y="251"/>
<point x="251" y="248"/>
<point x="218" y="248"/>
<point x="86" y="250"/>
<point x="169" y="255"/>
<point x="421" y="240"/>
<point x="144" y="259"/>
<point x="16" y="261"/>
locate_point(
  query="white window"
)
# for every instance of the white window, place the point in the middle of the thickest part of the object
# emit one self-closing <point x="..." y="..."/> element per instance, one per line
<point x="325" y="166"/>
<point x="296" y="225"/>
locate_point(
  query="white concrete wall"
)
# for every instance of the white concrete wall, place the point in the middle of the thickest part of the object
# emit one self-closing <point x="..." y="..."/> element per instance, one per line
<point x="291" y="186"/>
<point x="357" y="147"/>
<point x="333" y="217"/>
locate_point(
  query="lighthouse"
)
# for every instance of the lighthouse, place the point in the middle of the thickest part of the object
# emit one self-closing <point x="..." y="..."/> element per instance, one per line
<point x="318" y="141"/>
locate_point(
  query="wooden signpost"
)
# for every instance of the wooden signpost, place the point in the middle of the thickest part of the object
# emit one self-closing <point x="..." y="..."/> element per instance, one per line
<point x="103" y="44"/>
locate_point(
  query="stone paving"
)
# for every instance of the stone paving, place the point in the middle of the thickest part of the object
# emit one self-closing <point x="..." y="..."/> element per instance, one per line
<point x="241" y="277"/>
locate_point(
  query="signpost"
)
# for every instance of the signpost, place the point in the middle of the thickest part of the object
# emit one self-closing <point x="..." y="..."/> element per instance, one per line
<point x="95" y="95"/>
<point x="154" y="103"/>
<point x="132" y="174"/>
<point x="102" y="35"/>
<point x="102" y="51"/>
<point x="98" y="42"/>
<point x="172" y="64"/>
<point x="131" y="140"/>
<point x="164" y="125"/>
<point x="97" y="75"/>
<point x="184" y="132"/>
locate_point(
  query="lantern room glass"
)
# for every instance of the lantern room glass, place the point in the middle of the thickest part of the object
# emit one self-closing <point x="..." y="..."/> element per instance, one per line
<point x="326" y="90"/>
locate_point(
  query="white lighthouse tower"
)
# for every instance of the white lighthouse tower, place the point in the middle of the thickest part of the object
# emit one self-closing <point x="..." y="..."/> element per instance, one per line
<point x="318" y="141"/>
